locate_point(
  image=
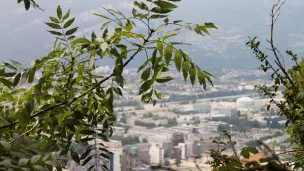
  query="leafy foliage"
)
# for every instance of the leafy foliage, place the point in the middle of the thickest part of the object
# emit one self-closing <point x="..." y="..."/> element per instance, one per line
<point x="223" y="162"/>
<point x="290" y="80"/>
<point x="71" y="105"/>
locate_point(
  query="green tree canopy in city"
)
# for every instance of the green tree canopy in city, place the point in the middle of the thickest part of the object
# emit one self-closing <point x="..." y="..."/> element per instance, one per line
<point x="70" y="104"/>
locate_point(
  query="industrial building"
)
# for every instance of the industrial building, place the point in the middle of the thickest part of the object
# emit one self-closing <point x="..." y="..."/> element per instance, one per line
<point x="202" y="107"/>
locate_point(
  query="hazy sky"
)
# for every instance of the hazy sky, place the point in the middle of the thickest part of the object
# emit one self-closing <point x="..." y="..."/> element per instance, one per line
<point x="23" y="36"/>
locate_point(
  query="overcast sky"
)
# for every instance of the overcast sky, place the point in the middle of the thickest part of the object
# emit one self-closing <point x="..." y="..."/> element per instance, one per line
<point x="23" y="36"/>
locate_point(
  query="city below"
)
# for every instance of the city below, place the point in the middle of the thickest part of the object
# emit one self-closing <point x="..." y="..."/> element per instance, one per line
<point x="179" y="132"/>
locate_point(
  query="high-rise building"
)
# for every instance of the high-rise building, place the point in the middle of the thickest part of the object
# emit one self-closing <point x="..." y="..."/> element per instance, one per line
<point x="156" y="154"/>
<point x="168" y="148"/>
<point x="189" y="149"/>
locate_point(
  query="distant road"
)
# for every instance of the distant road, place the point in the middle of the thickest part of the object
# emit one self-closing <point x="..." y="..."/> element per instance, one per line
<point x="215" y="98"/>
<point x="147" y="106"/>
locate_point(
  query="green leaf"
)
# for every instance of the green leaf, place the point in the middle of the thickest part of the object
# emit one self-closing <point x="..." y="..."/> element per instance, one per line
<point x="27" y="4"/>
<point x="168" y="54"/>
<point x="185" y="69"/>
<point x="17" y="79"/>
<point x="145" y="86"/>
<point x="56" y="33"/>
<point x="141" y="5"/>
<point x="161" y="10"/>
<point x="192" y="75"/>
<point x="201" y="78"/>
<point x="266" y="160"/>
<point x="164" y="79"/>
<point x="75" y="157"/>
<point x="71" y="31"/>
<point x="102" y="16"/>
<point x="245" y="153"/>
<point x="17" y="64"/>
<point x="59" y="12"/>
<point x="178" y="60"/>
<point x="146" y="74"/>
<point x="69" y="23"/>
<point x="142" y="66"/>
<point x="129" y="26"/>
<point x="58" y="99"/>
<point x="92" y="61"/>
<point x="203" y="28"/>
<point x="134" y="12"/>
<point x="158" y="94"/>
<point x="55" y="20"/>
<point x="210" y="25"/>
<point x="6" y="83"/>
<point x="177" y="21"/>
<point x="187" y="26"/>
<point x="81" y="40"/>
<point x="171" y="33"/>
<point x="6" y="145"/>
<point x="27" y="110"/>
<point x="157" y="16"/>
<point x="31" y="75"/>
<point x="160" y="47"/>
<point x="164" y="4"/>
<point x="10" y="66"/>
<point x="53" y="25"/>
<point x="67" y="15"/>
<point x="197" y="29"/>
<point x="22" y="161"/>
<point x="35" y="158"/>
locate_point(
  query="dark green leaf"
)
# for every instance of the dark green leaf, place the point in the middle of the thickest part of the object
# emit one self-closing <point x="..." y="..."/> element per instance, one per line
<point x="142" y="66"/>
<point x="53" y="25"/>
<point x="145" y="86"/>
<point x="59" y="12"/>
<point x="17" y="79"/>
<point x="71" y="31"/>
<point x="31" y="75"/>
<point x="164" y="4"/>
<point x="6" y="82"/>
<point x="55" y="20"/>
<point x="161" y="10"/>
<point x="67" y="15"/>
<point x="146" y="74"/>
<point x="69" y="23"/>
<point x="56" y="33"/>
<point x="158" y="16"/>
<point x="75" y="157"/>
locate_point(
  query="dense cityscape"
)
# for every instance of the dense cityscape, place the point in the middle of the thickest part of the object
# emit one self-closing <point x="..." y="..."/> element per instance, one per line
<point x="182" y="127"/>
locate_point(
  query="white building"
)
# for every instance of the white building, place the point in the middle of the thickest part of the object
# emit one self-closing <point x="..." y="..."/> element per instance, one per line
<point x="156" y="152"/>
<point x="227" y="111"/>
<point x="202" y="107"/>
<point x="183" y="148"/>
<point x="116" y="161"/>
<point x="245" y="103"/>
